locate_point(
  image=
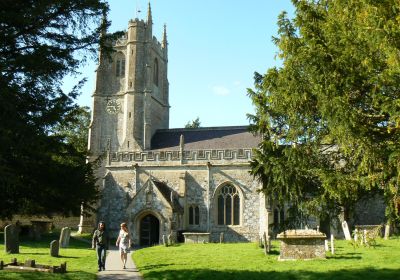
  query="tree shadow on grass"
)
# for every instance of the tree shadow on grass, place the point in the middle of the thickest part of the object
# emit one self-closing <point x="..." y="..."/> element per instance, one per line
<point x="342" y="257"/>
<point x="155" y="266"/>
<point x="67" y="257"/>
<point x="5" y="275"/>
<point x="199" y="274"/>
<point x="348" y="256"/>
<point x="24" y="253"/>
<point x="274" y="252"/>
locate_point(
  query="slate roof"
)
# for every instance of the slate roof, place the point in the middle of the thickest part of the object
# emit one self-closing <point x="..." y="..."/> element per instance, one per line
<point x="226" y="137"/>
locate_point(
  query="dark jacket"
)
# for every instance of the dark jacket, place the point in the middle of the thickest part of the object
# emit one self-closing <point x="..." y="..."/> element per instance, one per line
<point x="100" y="238"/>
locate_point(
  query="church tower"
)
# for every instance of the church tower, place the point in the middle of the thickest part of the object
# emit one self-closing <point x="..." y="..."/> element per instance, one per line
<point x="130" y="100"/>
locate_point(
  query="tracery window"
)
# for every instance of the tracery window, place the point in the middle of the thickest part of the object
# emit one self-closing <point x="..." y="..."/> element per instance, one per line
<point x="155" y="72"/>
<point x="228" y="205"/>
<point x="120" y="66"/>
<point x="279" y="216"/>
<point x="194" y="215"/>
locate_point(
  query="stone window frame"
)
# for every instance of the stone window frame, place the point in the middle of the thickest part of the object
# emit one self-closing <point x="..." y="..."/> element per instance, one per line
<point x="194" y="215"/>
<point x="120" y="65"/>
<point x="279" y="215"/>
<point x="156" y="72"/>
<point x="240" y="210"/>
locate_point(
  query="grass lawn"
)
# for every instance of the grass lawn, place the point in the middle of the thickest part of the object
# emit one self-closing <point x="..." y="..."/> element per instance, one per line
<point x="81" y="261"/>
<point x="246" y="261"/>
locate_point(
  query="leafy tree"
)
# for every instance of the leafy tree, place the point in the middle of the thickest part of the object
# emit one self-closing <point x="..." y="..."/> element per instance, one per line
<point x="194" y="123"/>
<point x="330" y="115"/>
<point x="74" y="128"/>
<point x="41" y="42"/>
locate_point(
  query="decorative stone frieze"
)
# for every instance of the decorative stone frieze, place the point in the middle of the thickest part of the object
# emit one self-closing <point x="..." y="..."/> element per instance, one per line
<point x="194" y="155"/>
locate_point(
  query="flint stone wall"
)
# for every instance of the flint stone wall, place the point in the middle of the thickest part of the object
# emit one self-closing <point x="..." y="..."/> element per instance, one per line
<point x="125" y="194"/>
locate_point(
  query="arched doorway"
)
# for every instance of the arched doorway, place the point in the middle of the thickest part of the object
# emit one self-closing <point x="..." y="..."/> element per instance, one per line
<point x="149" y="230"/>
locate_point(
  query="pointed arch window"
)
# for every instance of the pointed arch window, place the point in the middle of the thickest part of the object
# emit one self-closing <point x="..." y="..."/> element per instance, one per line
<point x="279" y="217"/>
<point x="228" y="204"/>
<point x="155" y="72"/>
<point x="120" y="65"/>
<point x="194" y="215"/>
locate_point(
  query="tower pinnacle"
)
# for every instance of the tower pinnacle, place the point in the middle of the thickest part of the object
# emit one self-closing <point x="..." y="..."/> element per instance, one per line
<point x="149" y="17"/>
<point x="164" y="40"/>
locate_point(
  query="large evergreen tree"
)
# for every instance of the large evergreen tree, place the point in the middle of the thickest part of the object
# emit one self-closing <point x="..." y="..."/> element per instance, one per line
<point x="330" y="115"/>
<point x="40" y="43"/>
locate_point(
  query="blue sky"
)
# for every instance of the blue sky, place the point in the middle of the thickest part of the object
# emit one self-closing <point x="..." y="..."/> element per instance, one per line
<point x="214" y="48"/>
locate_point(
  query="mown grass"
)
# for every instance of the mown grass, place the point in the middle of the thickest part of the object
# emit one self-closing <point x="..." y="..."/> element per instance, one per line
<point x="81" y="261"/>
<point x="246" y="261"/>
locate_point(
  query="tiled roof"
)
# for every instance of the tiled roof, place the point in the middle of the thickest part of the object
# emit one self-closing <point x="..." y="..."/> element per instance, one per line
<point x="228" y="137"/>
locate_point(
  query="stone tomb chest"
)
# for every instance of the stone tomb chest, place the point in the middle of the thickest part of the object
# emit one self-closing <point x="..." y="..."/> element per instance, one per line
<point x="196" y="237"/>
<point x="302" y="245"/>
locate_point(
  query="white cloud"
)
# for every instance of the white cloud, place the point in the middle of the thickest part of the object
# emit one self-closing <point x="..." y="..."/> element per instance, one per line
<point x="221" y="90"/>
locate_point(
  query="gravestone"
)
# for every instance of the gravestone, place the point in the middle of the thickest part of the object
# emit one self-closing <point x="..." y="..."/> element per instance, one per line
<point x="11" y="239"/>
<point x="260" y="241"/>
<point x="332" y="245"/>
<point x="365" y="237"/>
<point x="54" y="248"/>
<point x="346" y="230"/>
<point x="355" y="235"/>
<point x="326" y="245"/>
<point x="29" y="263"/>
<point x="164" y="240"/>
<point x="267" y="243"/>
<point x="64" y="237"/>
<point x="221" y="237"/>
<point x="387" y="230"/>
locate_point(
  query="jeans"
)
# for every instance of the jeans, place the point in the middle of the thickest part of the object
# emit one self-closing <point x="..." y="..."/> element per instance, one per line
<point x="101" y="256"/>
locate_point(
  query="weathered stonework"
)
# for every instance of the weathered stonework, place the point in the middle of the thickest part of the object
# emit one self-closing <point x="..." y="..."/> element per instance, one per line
<point x="155" y="187"/>
<point x="302" y="245"/>
<point x="196" y="237"/>
<point x="161" y="181"/>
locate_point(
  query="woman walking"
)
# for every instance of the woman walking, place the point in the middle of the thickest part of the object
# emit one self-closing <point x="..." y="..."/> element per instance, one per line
<point x="124" y="243"/>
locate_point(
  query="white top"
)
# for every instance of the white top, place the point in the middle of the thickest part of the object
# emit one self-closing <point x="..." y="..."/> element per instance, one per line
<point x="123" y="239"/>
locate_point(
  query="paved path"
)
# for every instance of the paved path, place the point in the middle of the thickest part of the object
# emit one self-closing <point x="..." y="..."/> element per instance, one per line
<point x="114" y="270"/>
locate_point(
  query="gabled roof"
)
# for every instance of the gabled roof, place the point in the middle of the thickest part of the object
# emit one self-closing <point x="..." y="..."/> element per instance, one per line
<point x="226" y="137"/>
<point x="169" y="196"/>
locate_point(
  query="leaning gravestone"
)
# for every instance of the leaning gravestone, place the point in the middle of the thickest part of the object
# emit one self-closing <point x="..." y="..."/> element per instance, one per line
<point x="64" y="237"/>
<point x="11" y="239"/>
<point x="164" y="240"/>
<point x="54" y="248"/>
<point x="326" y="245"/>
<point x="346" y="230"/>
<point x="387" y="231"/>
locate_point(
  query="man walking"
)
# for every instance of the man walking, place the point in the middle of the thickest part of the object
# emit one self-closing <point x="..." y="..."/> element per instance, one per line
<point x="100" y="241"/>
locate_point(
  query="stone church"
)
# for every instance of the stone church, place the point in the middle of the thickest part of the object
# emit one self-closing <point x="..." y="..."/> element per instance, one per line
<point x="165" y="181"/>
